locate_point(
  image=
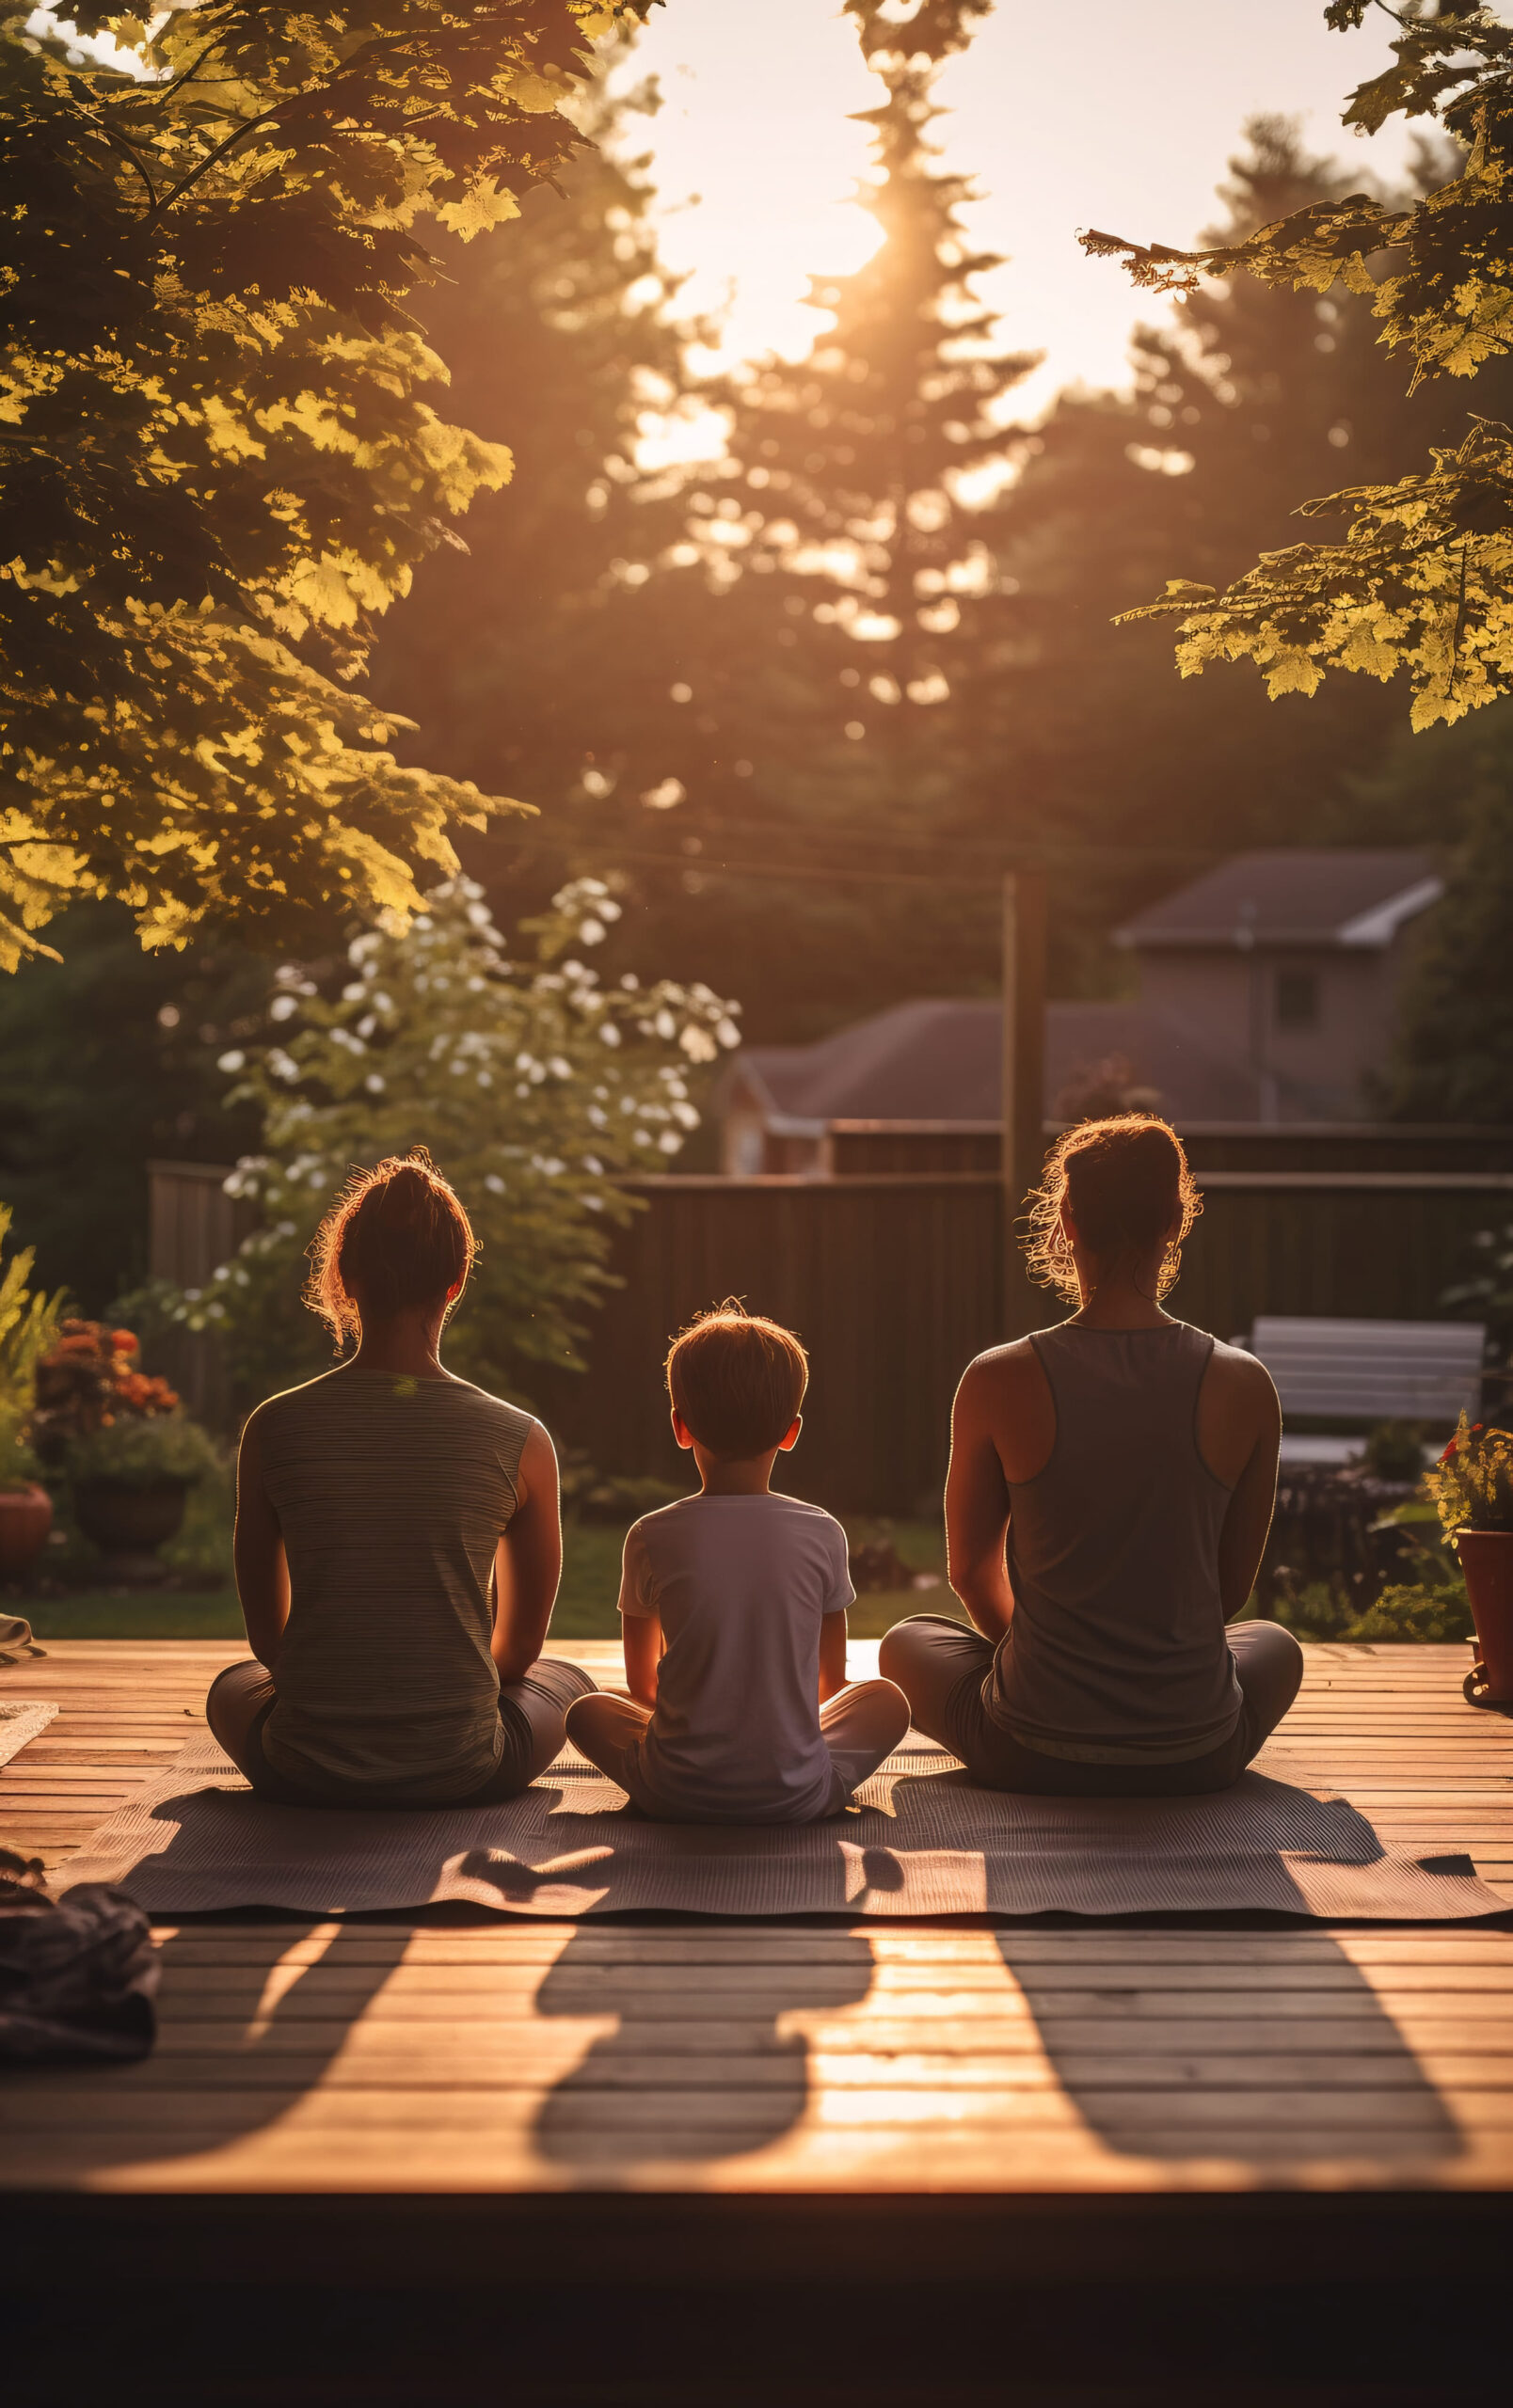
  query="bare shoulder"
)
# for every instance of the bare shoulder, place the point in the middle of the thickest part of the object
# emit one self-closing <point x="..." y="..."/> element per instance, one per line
<point x="1000" y="1375"/>
<point x="255" y="1428"/>
<point x="1239" y="1418"/>
<point x="538" y="1462"/>
<point x="1234" y="1374"/>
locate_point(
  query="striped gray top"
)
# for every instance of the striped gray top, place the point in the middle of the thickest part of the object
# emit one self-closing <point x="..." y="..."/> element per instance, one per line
<point x="392" y="1494"/>
<point x="1117" y="1653"/>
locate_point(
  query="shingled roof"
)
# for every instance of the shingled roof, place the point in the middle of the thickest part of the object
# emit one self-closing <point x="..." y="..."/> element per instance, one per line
<point x="941" y="1062"/>
<point x="1296" y="896"/>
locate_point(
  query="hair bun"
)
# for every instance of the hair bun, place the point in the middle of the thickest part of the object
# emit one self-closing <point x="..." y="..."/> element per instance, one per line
<point x="1127" y="1185"/>
<point x="398" y="1234"/>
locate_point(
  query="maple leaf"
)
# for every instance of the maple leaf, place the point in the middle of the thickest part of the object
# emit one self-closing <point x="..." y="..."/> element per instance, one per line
<point x="1423" y="583"/>
<point x="222" y="436"/>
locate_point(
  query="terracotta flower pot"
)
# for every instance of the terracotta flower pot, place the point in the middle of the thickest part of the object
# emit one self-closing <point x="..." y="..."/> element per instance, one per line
<point x="1486" y="1561"/>
<point x="129" y="1524"/>
<point x="25" y="1518"/>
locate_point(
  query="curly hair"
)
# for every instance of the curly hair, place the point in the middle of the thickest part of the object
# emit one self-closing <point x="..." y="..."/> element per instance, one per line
<point x="1127" y="1182"/>
<point x="399" y="1232"/>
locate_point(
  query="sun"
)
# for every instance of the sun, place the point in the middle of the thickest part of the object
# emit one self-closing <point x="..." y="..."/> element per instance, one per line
<point x="751" y="218"/>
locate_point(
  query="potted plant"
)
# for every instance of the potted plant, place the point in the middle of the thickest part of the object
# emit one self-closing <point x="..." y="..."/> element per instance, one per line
<point x="129" y="1451"/>
<point x="25" y="1507"/>
<point x="1471" y="1485"/>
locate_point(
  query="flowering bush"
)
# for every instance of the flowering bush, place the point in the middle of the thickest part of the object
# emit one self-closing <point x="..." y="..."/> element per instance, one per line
<point x="1471" y="1484"/>
<point x="89" y="1380"/>
<point x="536" y="1088"/>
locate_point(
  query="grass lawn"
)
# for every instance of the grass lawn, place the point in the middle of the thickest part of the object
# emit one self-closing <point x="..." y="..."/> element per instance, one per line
<point x="585" y="1607"/>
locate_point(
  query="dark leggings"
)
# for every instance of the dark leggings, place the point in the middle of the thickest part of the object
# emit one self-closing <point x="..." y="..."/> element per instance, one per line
<point x="943" y="1668"/>
<point x="533" y="1719"/>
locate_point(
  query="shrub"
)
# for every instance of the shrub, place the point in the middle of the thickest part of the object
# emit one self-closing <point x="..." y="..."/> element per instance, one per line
<point x="139" y="1451"/>
<point x="1395" y="1451"/>
<point x="536" y="1088"/>
<point x="1428" y="1614"/>
<point x="28" y="1328"/>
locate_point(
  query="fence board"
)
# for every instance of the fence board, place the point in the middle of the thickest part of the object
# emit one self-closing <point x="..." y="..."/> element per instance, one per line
<point x="894" y="1283"/>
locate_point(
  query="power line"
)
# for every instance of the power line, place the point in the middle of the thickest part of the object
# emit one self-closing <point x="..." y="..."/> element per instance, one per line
<point x="817" y="874"/>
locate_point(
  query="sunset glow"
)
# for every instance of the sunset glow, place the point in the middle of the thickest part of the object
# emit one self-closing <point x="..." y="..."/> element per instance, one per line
<point x="1129" y="124"/>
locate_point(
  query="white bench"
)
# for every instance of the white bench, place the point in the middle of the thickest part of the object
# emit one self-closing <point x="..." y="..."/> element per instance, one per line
<point x="1367" y="1371"/>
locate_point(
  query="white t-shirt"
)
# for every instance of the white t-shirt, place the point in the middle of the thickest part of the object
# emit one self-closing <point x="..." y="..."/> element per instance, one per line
<point x="741" y="1585"/>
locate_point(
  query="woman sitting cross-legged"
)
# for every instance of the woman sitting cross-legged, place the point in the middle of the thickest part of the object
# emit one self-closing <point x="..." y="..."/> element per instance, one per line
<point x="398" y="1541"/>
<point x="1129" y="1462"/>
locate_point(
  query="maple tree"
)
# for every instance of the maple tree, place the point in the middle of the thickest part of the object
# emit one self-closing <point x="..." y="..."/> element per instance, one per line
<point x="219" y="456"/>
<point x="1422" y="582"/>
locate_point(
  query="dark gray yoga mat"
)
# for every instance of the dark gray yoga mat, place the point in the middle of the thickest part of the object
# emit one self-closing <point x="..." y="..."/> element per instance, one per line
<point x="920" y="1840"/>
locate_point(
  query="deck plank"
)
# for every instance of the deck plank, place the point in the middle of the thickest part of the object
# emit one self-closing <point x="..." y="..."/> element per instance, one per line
<point x="423" y="2056"/>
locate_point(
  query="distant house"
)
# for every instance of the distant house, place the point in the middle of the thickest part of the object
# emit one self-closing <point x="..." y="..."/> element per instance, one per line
<point x="1290" y="963"/>
<point x="1266" y="993"/>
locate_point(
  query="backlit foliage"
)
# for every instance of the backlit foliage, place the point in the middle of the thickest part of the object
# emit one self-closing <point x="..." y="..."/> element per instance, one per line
<point x="537" y="1087"/>
<point x="221" y="452"/>
<point x="1422" y="582"/>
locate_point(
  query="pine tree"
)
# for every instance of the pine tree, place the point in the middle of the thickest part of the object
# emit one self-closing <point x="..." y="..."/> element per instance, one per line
<point x="836" y="694"/>
<point x="1454" y="1058"/>
<point x="1254" y="394"/>
<point x="526" y="651"/>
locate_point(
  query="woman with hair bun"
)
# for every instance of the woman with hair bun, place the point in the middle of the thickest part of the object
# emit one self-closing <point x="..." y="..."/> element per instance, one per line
<point x="1111" y="1486"/>
<point x="398" y="1540"/>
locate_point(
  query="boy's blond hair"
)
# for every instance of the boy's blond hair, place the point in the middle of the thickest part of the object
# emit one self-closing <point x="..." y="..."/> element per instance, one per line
<point x="736" y="1380"/>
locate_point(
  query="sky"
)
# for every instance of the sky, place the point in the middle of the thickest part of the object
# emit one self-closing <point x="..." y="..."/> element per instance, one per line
<point x="1119" y="114"/>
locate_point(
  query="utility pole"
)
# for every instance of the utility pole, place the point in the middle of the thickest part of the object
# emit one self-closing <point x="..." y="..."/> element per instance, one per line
<point x="1024" y="1079"/>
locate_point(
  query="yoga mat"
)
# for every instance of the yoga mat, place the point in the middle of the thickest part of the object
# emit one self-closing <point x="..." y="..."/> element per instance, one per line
<point x="920" y="1840"/>
<point x="20" y="1722"/>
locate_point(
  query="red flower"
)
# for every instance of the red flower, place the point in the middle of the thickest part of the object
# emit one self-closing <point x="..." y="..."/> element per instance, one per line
<point x="124" y="1342"/>
<point x="1452" y="1448"/>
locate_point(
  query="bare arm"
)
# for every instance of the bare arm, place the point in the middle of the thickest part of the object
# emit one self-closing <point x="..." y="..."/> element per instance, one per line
<point x="1247" y="1519"/>
<point x="832" y="1655"/>
<point x="262" y="1567"/>
<point x="642" y="1637"/>
<point x="528" y="1562"/>
<point x="977" y="1510"/>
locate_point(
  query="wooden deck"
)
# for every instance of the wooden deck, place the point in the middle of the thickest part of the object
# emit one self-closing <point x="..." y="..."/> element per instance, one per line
<point x="1152" y="2079"/>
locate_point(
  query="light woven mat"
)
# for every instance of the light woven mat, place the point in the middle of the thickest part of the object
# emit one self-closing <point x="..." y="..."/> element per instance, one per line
<point x="20" y="1722"/>
<point x="921" y="1840"/>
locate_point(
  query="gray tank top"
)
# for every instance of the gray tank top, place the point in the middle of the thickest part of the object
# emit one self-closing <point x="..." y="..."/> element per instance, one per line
<point x="1117" y="1652"/>
<point x="391" y="1495"/>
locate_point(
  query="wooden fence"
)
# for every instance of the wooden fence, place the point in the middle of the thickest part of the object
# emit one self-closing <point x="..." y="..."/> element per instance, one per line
<point x="192" y="1225"/>
<point x="894" y="1283"/>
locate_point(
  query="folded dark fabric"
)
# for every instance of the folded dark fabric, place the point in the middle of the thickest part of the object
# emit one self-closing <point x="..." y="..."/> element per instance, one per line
<point x="77" y="1976"/>
<point x="16" y="1641"/>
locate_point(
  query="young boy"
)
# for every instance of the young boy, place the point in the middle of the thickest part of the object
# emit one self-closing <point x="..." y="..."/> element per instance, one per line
<point x="733" y="1606"/>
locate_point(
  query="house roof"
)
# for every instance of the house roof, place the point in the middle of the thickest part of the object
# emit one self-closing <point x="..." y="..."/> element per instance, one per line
<point x="942" y="1062"/>
<point x="1298" y="897"/>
